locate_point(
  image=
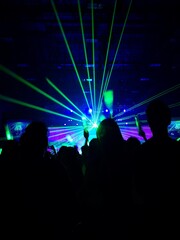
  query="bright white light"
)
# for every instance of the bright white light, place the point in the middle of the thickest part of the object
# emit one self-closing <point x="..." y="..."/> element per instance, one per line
<point x="90" y="110"/>
<point x="95" y="125"/>
<point x="69" y="138"/>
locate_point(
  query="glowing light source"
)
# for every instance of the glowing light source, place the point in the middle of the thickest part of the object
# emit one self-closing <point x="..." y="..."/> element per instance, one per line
<point x="95" y="125"/>
<point x="69" y="138"/>
<point x="90" y="110"/>
<point x="8" y="133"/>
<point x="108" y="100"/>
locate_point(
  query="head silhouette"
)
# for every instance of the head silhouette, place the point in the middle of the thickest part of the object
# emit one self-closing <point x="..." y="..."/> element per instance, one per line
<point x="35" y="138"/>
<point x="158" y="116"/>
<point x="108" y="131"/>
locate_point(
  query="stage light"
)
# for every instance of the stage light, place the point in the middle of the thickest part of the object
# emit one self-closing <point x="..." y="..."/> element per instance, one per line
<point x="90" y="110"/>
<point x="95" y="125"/>
<point x="69" y="138"/>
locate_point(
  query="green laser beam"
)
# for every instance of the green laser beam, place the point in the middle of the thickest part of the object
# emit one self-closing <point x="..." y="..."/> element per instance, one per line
<point x="130" y="116"/>
<point x="119" y="42"/>
<point x="117" y="49"/>
<point x="69" y="50"/>
<point x="174" y="105"/>
<point x="25" y="104"/>
<point x="85" y="50"/>
<point x="107" y="52"/>
<point x="68" y="128"/>
<point x="93" y="53"/>
<point x="63" y="95"/>
<point x="151" y="98"/>
<point x="22" y="80"/>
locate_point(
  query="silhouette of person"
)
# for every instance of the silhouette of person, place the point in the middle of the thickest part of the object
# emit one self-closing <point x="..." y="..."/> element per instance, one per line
<point x="157" y="174"/>
<point x="42" y="203"/>
<point x="107" y="183"/>
<point x="133" y="143"/>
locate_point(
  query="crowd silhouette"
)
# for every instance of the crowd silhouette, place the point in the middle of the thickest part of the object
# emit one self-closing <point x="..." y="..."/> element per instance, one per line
<point x="116" y="188"/>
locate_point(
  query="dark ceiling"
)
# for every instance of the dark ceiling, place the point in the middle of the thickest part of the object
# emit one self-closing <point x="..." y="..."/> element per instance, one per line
<point x="32" y="45"/>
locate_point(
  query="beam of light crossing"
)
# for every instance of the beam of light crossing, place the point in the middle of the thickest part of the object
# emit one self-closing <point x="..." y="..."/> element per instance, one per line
<point x="65" y="97"/>
<point x="93" y="54"/>
<point x="64" y="132"/>
<point x="171" y="89"/>
<point x="78" y="134"/>
<point x="69" y="50"/>
<point x="72" y="135"/>
<point x="22" y="80"/>
<point x="117" y="49"/>
<point x="85" y="51"/>
<point x="130" y="116"/>
<point x="107" y="52"/>
<point x="174" y="105"/>
<point x="25" y="104"/>
<point x="116" y="52"/>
